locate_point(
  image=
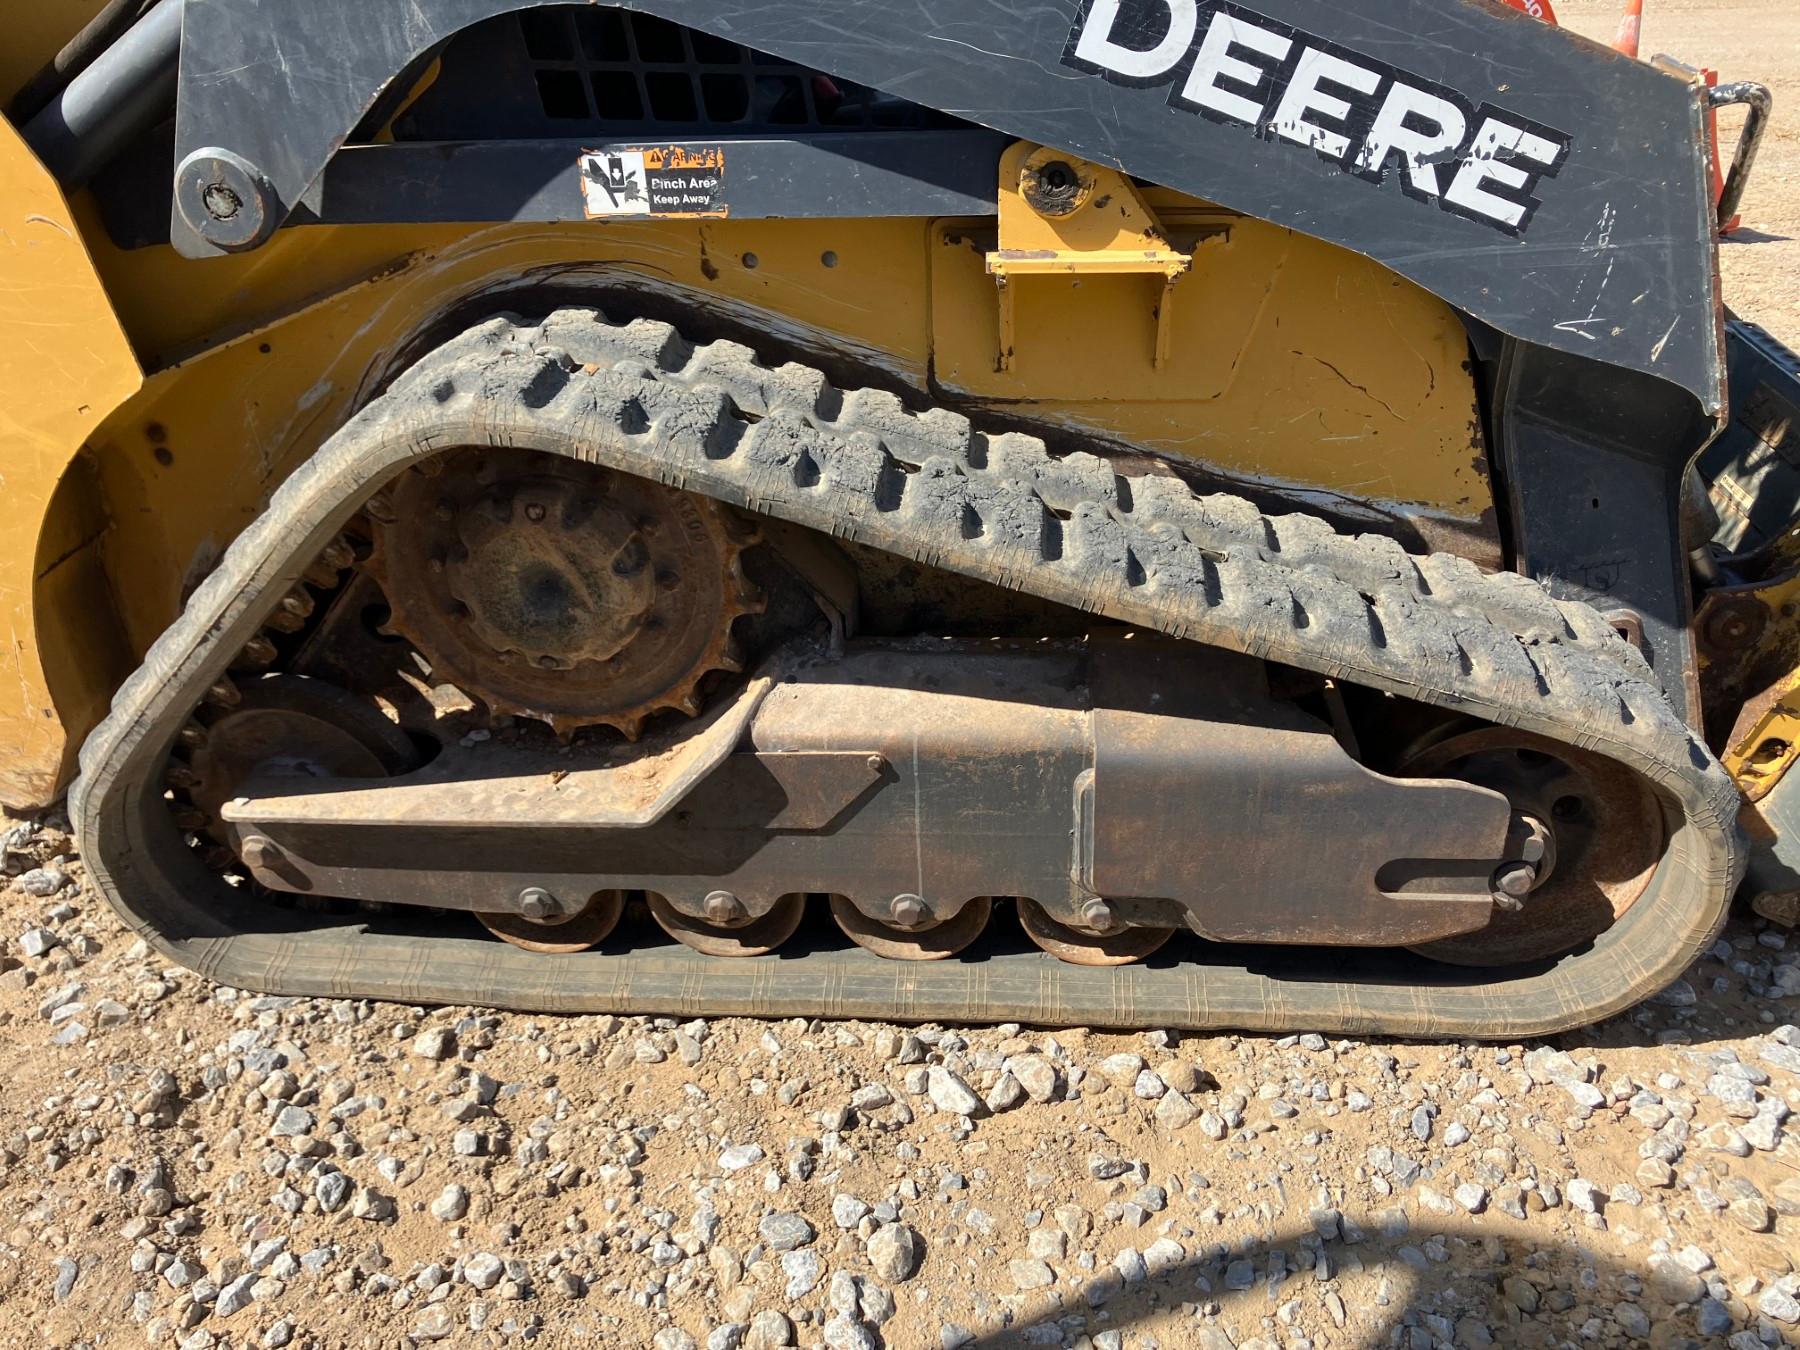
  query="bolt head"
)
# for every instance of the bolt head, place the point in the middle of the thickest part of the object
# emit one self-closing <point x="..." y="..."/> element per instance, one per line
<point x="259" y="851"/>
<point x="909" y="911"/>
<point x="538" y="905"/>
<point x="1099" y="916"/>
<point x="722" y="907"/>
<point x="1515" y="879"/>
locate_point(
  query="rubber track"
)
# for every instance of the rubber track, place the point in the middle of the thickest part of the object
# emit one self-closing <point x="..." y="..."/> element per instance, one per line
<point x="1140" y="547"/>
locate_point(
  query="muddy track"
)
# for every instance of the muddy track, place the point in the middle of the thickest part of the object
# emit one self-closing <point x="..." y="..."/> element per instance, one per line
<point x="1139" y="548"/>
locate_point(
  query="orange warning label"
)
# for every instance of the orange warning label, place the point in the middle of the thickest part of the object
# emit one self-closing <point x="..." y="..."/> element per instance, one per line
<point x="654" y="180"/>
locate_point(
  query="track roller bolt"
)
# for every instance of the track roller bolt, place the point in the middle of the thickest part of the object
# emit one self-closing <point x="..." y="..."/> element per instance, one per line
<point x="1512" y="882"/>
<point x="1100" y="917"/>
<point x="724" y="909"/>
<point x="909" y="911"/>
<point x="538" y="905"/>
<point x="260" y="853"/>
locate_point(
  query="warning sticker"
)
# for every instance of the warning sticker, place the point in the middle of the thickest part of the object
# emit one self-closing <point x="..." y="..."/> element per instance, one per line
<point x="657" y="180"/>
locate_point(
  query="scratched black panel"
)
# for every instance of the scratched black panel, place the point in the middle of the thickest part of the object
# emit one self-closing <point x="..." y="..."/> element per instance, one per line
<point x="1614" y="265"/>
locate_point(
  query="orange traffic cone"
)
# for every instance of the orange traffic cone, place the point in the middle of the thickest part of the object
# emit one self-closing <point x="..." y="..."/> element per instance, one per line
<point x="1631" y="28"/>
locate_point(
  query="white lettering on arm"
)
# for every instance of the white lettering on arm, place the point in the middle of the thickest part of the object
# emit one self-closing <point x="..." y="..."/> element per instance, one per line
<point x="1398" y="128"/>
<point x="1484" y="165"/>
<point x="1215" y="62"/>
<point x="1304" y="99"/>
<point x="1099" y="47"/>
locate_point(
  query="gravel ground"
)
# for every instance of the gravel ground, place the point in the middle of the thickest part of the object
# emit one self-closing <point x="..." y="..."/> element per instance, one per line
<point x="187" y="1164"/>
<point x="184" y="1164"/>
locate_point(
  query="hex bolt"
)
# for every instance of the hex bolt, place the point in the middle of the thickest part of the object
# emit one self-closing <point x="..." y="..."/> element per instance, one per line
<point x="538" y="905"/>
<point x="1511" y="883"/>
<point x="877" y="763"/>
<point x="909" y="911"/>
<point x="1099" y="916"/>
<point x="723" y="908"/>
<point x="260" y="853"/>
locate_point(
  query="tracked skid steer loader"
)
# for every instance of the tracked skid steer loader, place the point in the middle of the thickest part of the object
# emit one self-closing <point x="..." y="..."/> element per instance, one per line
<point x="1118" y="512"/>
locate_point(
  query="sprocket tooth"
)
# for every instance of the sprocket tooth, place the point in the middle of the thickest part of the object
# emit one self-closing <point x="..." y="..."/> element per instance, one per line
<point x="222" y="693"/>
<point x="259" y="653"/>
<point x="340" y="553"/>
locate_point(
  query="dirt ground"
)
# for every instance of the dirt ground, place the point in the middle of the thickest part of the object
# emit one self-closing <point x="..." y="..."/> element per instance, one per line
<point x="188" y="1165"/>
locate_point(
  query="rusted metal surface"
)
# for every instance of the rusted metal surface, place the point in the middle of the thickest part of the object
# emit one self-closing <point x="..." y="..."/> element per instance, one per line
<point x="1332" y="851"/>
<point x="756" y="936"/>
<point x="910" y="942"/>
<point x="1082" y="946"/>
<point x="559" y="590"/>
<point x="496" y="785"/>
<point x="911" y="779"/>
<point x="582" y="926"/>
<point x="1606" y="836"/>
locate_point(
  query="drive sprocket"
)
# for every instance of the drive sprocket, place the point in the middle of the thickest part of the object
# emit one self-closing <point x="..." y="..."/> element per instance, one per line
<point x="562" y="591"/>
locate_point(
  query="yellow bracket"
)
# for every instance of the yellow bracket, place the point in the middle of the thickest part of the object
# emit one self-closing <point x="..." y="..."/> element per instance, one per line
<point x="1061" y="216"/>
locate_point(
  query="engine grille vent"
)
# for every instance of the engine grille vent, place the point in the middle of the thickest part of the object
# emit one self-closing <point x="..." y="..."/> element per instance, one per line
<point x="586" y="70"/>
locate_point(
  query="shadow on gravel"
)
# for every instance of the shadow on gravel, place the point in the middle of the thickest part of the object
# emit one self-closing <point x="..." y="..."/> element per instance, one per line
<point x="1457" y="1285"/>
<point x="1745" y="235"/>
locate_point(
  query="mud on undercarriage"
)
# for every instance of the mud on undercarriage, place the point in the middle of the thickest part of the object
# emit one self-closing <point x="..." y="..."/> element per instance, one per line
<point x="1272" y="734"/>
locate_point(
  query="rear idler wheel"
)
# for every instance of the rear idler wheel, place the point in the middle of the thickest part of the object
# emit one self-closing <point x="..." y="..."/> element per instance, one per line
<point x="931" y="942"/>
<point x="1089" y="946"/>
<point x="729" y="936"/>
<point x="586" y="927"/>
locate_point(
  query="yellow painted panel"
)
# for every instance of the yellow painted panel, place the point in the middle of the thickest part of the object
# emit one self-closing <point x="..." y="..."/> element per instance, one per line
<point x="1295" y="363"/>
<point x="1291" y="362"/>
<point x="64" y="365"/>
<point x="192" y="461"/>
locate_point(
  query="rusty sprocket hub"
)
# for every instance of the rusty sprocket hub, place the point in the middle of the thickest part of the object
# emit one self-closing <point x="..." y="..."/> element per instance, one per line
<point x="559" y="590"/>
